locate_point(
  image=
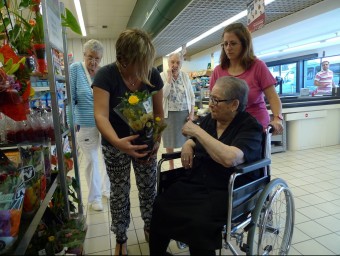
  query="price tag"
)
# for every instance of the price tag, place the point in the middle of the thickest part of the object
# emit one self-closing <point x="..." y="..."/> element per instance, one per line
<point x="27" y="173"/>
<point x="147" y="105"/>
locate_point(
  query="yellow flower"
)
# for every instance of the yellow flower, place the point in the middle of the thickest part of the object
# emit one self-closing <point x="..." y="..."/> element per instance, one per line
<point x="157" y="119"/>
<point x="133" y="100"/>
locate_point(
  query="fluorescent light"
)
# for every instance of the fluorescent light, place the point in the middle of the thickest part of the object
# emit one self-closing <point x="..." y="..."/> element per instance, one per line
<point x="334" y="39"/>
<point x="268" y="54"/>
<point x="301" y="46"/>
<point x="80" y="17"/>
<point x="218" y="27"/>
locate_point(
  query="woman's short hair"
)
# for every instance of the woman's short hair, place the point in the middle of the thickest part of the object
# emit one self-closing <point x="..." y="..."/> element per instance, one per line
<point x="135" y="46"/>
<point x="234" y="88"/>
<point x="247" y="54"/>
<point x="94" y="45"/>
<point x="180" y="56"/>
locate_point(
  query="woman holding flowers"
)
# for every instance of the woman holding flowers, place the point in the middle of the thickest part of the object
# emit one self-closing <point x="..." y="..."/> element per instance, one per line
<point x="131" y="73"/>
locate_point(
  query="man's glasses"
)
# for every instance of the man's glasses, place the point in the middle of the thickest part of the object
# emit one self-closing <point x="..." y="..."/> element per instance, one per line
<point x="215" y="101"/>
<point x="231" y="44"/>
<point x="91" y="59"/>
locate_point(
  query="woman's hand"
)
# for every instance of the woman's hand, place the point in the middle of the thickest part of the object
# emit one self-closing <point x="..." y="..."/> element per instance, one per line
<point x="169" y="77"/>
<point x="190" y="129"/>
<point x="191" y="116"/>
<point x="125" y="145"/>
<point x="277" y="125"/>
<point x="187" y="156"/>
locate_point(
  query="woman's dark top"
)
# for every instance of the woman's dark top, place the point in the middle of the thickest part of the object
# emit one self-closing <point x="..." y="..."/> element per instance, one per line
<point x="194" y="209"/>
<point x="109" y="79"/>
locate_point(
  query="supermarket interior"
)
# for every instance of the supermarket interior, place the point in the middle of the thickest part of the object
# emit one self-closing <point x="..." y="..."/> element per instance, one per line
<point x="81" y="80"/>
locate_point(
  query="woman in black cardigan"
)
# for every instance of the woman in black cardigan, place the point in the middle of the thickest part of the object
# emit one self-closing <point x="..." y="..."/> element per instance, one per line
<point x="194" y="209"/>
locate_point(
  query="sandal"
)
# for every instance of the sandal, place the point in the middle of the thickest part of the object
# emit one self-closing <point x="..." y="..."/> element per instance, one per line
<point x="122" y="248"/>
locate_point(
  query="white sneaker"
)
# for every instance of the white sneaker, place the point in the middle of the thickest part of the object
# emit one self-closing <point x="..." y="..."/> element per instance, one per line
<point x="97" y="206"/>
<point x="106" y="194"/>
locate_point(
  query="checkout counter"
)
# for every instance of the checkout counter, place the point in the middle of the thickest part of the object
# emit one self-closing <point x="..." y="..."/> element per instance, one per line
<point x="309" y="122"/>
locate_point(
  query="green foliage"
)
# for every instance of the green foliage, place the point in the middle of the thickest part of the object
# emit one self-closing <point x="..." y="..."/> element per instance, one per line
<point x="70" y="21"/>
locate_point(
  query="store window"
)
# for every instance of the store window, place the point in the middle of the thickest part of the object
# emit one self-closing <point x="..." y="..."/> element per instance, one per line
<point x="310" y="68"/>
<point x="286" y="78"/>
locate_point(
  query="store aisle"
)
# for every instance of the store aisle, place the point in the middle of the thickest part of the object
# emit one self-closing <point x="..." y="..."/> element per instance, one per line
<point x="314" y="177"/>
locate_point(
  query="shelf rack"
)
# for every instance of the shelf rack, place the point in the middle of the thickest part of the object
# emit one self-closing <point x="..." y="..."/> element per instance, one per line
<point x="51" y="12"/>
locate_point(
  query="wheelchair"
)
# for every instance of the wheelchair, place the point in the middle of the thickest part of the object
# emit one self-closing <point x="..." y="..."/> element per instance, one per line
<point x="260" y="212"/>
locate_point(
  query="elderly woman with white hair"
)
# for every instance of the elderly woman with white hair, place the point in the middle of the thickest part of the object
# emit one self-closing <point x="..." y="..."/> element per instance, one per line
<point x="178" y="103"/>
<point x="88" y="136"/>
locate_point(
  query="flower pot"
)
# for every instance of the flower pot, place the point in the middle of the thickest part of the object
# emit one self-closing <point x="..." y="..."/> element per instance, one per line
<point x="40" y="53"/>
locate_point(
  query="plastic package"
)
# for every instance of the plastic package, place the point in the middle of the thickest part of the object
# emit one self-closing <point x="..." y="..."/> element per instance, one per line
<point x="12" y="193"/>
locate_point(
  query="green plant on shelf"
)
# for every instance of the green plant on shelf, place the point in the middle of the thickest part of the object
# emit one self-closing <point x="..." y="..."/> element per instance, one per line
<point x="57" y="204"/>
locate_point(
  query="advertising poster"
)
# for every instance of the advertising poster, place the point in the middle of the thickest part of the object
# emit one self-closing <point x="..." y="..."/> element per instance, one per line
<point x="256" y="15"/>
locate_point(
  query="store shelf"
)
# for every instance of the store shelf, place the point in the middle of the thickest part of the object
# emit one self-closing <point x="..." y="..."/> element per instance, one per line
<point x="29" y="227"/>
<point x="60" y="78"/>
<point x="201" y="73"/>
<point x="41" y="89"/>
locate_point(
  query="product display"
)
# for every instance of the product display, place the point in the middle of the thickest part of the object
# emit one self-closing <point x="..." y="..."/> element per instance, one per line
<point x="12" y="191"/>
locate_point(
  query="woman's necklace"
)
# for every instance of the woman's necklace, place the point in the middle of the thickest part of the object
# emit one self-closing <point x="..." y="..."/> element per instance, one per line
<point x="131" y="82"/>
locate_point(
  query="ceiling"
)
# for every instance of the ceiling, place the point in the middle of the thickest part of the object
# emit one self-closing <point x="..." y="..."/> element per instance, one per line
<point x="200" y="15"/>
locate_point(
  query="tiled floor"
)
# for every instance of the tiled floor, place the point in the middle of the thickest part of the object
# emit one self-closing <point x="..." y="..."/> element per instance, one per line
<point x="314" y="178"/>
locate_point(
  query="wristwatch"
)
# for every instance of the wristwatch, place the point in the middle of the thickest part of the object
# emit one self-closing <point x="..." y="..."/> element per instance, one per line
<point x="279" y="116"/>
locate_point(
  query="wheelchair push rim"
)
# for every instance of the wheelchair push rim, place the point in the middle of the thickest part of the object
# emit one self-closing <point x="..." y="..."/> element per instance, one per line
<point x="273" y="219"/>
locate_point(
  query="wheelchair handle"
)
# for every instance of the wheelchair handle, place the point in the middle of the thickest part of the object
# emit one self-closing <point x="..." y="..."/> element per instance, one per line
<point x="270" y="128"/>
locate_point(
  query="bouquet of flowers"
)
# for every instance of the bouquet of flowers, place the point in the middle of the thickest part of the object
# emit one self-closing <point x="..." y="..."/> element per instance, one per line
<point x="137" y="111"/>
<point x="15" y="86"/>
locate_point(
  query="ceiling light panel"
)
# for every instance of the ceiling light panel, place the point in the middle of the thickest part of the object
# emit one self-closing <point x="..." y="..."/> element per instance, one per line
<point x="201" y="15"/>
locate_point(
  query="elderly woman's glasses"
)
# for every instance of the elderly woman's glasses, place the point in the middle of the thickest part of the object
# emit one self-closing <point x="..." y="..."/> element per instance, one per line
<point x="231" y="44"/>
<point x="215" y="101"/>
<point x="91" y="59"/>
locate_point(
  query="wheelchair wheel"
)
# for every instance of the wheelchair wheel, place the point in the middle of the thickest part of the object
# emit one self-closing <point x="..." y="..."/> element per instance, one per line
<point x="273" y="219"/>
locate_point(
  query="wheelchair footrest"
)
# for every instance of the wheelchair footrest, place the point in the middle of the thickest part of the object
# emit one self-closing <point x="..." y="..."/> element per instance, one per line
<point x="244" y="248"/>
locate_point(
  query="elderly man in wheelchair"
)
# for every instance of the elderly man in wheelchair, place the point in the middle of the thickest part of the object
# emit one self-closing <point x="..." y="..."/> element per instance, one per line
<point x="223" y="179"/>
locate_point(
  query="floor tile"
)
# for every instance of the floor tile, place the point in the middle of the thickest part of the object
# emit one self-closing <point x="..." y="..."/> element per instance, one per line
<point x="317" y="207"/>
<point x="313" y="229"/>
<point x="107" y="252"/>
<point x="329" y="207"/>
<point x="331" y="242"/>
<point x="144" y="248"/>
<point x="330" y="222"/>
<point x="138" y="222"/>
<point x="97" y="244"/>
<point x="311" y="198"/>
<point x="300" y="218"/>
<point x="135" y="212"/>
<point x="311" y="247"/>
<point x="312" y="212"/>
<point x="293" y="251"/>
<point x="95" y="230"/>
<point x="299" y="236"/>
<point x="97" y="218"/>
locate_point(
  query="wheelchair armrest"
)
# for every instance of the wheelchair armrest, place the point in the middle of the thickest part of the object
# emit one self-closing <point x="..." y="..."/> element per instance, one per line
<point x="170" y="156"/>
<point x="249" y="167"/>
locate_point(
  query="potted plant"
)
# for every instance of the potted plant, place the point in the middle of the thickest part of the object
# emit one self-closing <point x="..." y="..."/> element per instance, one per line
<point x="22" y="26"/>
